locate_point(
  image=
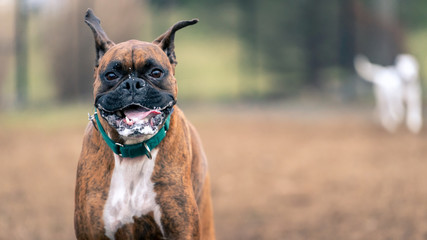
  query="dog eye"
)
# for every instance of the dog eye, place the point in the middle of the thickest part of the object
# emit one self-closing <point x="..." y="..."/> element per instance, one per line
<point x="111" y="76"/>
<point x="156" y="73"/>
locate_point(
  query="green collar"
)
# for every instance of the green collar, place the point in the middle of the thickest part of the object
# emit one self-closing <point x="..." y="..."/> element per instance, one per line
<point x="138" y="149"/>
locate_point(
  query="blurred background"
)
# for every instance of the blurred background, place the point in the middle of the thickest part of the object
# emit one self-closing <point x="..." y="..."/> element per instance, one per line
<point x="294" y="147"/>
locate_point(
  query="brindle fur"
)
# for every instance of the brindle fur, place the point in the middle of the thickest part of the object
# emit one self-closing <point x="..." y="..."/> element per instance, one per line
<point x="180" y="176"/>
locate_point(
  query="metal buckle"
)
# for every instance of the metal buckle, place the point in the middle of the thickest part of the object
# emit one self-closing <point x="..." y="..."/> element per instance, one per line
<point x="148" y="151"/>
<point x="120" y="145"/>
<point x="91" y="118"/>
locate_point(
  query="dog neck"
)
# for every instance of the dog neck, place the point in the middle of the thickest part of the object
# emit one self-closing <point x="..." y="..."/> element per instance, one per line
<point x="134" y="150"/>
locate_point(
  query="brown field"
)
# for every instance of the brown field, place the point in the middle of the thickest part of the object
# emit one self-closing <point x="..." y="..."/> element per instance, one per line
<point x="276" y="174"/>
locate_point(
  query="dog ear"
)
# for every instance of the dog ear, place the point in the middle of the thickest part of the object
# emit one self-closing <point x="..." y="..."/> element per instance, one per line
<point x="166" y="40"/>
<point x="102" y="42"/>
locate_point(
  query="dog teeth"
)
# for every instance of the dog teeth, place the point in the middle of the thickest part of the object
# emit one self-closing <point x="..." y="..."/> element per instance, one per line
<point x="129" y="121"/>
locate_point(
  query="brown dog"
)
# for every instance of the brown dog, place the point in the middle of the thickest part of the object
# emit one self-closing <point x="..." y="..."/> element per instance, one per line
<point x="142" y="172"/>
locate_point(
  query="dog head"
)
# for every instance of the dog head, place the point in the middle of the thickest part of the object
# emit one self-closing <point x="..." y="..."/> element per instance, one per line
<point x="134" y="88"/>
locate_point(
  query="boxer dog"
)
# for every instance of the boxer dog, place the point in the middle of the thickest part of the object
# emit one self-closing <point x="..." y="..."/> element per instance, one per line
<point x="142" y="172"/>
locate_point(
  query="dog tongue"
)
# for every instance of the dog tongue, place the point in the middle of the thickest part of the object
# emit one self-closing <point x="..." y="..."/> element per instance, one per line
<point x="136" y="114"/>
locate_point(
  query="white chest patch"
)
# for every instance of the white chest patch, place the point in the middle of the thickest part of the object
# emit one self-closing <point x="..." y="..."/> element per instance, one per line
<point x="131" y="193"/>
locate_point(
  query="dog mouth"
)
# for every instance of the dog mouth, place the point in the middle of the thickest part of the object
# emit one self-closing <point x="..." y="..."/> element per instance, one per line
<point x="135" y="120"/>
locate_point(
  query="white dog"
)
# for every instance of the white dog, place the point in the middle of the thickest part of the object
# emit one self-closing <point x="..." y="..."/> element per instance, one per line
<point x="395" y="88"/>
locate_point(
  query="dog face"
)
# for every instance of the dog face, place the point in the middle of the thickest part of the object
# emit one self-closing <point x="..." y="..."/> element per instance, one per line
<point x="135" y="88"/>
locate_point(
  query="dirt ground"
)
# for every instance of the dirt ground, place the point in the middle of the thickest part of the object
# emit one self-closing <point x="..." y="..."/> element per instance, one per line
<point x="276" y="174"/>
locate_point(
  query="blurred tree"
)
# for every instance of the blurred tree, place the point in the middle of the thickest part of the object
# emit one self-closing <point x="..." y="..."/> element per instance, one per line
<point x="248" y="30"/>
<point x="412" y="13"/>
<point x="347" y="34"/>
<point x="69" y="50"/>
<point x="282" y="44"/>
<point x="320" y="38"/>
<point x="71" y="44"/>
<point x="21" y="51"/>
<point x="380" y="36"/>
<point x="299" y="39"/>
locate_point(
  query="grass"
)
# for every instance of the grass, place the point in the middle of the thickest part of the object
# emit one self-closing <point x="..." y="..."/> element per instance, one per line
<point x="50" y="118"/>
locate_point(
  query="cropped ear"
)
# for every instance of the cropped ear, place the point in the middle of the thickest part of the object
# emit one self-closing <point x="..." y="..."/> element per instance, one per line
<point x="102" y="42"/>
<point x="167" y="39"/>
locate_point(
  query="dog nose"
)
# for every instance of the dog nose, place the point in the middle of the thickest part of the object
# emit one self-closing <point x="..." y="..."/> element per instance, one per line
<point x="133" y="84"/>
